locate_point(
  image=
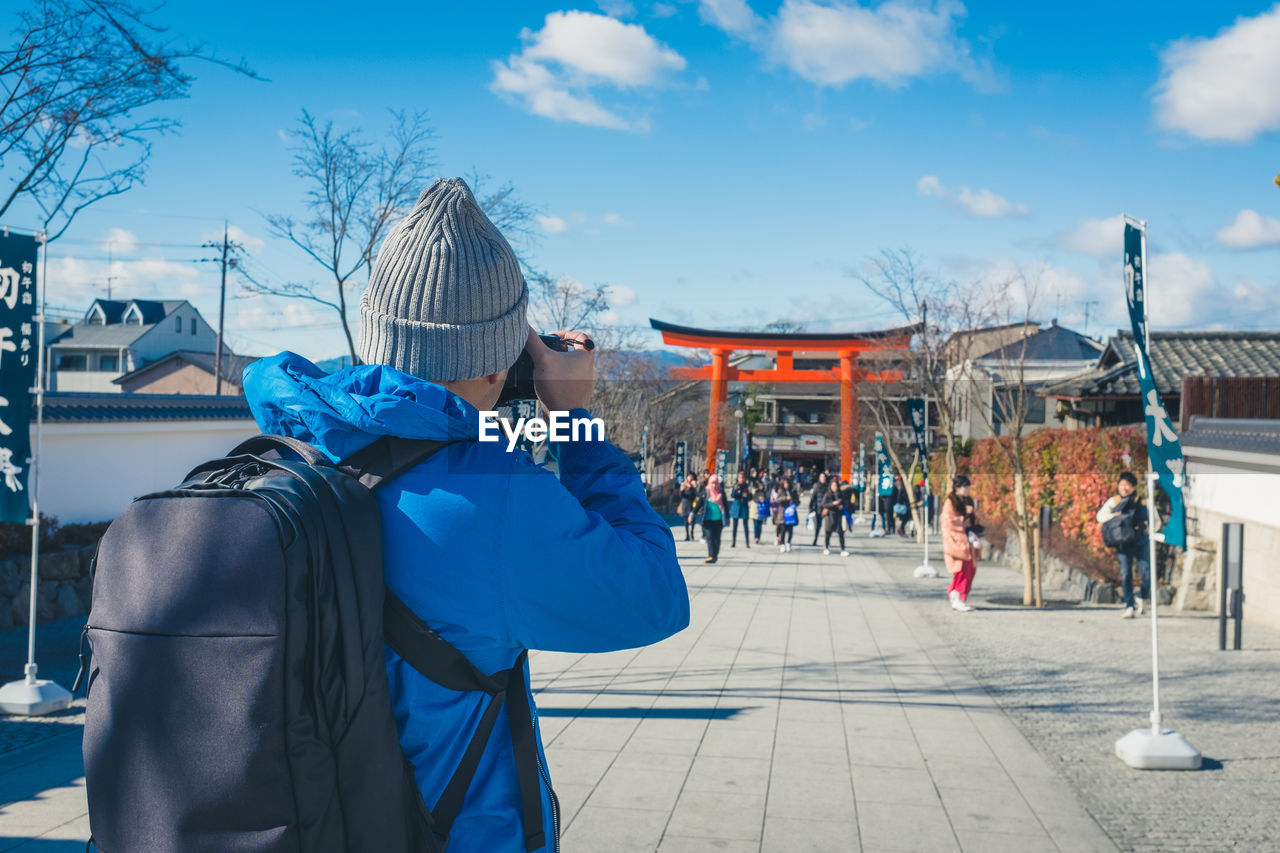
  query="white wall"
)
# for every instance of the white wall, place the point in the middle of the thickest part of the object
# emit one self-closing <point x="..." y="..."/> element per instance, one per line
<point x="92" y="381"/>
<point x="91" y="471"/>
<point x="1227" y="486"/>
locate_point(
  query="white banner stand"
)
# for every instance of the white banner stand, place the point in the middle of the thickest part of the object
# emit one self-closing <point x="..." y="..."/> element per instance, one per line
<point x="33" y="696"/>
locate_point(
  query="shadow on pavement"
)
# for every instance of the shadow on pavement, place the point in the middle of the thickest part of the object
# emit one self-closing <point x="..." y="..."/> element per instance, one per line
<point x="646" y="713"/>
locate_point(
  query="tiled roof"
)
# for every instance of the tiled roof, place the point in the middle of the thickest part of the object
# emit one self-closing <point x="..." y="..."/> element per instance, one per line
<point x="1055" y="343"/>
<point x="155" y="310"/>
<point x="114" y="336"/>
<point x="1252" y="436"/>
<point x="1173" y="356"/>
<point x="112" y="309"/>
<point x="106" y="408"/>
<point x="232" y="365"/>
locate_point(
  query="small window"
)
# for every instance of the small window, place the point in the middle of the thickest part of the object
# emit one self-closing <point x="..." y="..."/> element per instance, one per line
<point x="109" y="363"/>
<point x="193" y="326"/>
<point x="72" y="361"/>
<point x="178" y="320"/>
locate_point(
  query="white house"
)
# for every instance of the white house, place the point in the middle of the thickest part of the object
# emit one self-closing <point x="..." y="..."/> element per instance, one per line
<point x="1233" y="475"/>
<point x="118" y="337"/>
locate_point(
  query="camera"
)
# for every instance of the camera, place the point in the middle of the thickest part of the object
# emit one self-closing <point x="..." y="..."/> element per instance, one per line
<point x="519" y="384"/>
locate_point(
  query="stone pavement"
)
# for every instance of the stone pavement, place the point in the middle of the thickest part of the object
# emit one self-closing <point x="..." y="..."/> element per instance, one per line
<point x="1075" y="678"/>
<point x="807" y="707"/>
<point x="829" y="704"/>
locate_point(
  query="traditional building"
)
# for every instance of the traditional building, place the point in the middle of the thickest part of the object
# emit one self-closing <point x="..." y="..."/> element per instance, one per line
<point x="118" y="338"/>
<point x="1108" y="394"/>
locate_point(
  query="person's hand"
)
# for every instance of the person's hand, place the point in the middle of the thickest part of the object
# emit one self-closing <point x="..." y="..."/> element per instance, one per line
<point x="563" y="380"/>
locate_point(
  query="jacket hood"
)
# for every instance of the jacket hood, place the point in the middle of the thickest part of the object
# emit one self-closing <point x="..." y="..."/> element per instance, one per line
<point x="342" y="412"/>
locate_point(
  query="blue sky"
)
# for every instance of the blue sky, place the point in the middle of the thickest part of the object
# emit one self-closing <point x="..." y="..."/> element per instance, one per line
<point x="730" y="163"/>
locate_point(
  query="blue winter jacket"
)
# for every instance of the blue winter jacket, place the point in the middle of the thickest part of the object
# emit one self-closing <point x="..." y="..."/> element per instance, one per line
<point x="495" y="554"/>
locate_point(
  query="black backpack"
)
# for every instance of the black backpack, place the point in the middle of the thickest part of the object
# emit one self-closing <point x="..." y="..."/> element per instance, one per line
<point x="238" y="697"/>
<point x="1119" y="531"/>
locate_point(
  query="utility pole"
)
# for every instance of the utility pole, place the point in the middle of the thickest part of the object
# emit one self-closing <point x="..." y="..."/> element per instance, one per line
<point x="222" y="315"/>
<point x="228" y="258"/>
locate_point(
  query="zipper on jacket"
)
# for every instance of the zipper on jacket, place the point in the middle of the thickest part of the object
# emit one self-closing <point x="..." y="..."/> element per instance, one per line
<point x="546" y="778"/>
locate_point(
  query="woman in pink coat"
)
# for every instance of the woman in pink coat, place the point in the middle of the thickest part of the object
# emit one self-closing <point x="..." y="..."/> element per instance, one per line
<point x="958" y="551"/>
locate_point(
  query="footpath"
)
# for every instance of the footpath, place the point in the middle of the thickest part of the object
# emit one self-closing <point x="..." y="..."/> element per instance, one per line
<point x="837" y="704"/>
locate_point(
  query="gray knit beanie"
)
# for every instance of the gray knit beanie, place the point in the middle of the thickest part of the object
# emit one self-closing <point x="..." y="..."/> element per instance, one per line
<point x="446" y="299"/>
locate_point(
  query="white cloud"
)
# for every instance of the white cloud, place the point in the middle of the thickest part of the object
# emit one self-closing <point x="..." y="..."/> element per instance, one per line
<point x="733" y="16"/>
<point x="835" y="43"/>
<point x="1101" y="238"/>
<point x="1250" y="230"/>
<point x="575" y="52"/>
<point x="1180" y="290"/>
<point x="929" y="185"/>
<point x="1225" y="88"/>
<point x="617" y="220"/>
<point x="282" y="314"/>
<point x="601" y="47"/>
<point x="982" y="203"/>
<point x="617" y="8"/>
<point x="664" y="10"/>
<point x="251" y="242"/>
<point x="119" y="240"/>
<point x="78" y="281"/>
<point x="620" y="295"/>
<point x="552" y="224"/>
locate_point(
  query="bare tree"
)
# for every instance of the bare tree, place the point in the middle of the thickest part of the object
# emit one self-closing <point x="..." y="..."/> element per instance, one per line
<point x="998" y="388"/>
<point x="355" y="191"/>
<point x="75" y="123"/>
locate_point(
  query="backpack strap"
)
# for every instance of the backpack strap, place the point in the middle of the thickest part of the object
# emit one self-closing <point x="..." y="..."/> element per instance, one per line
<point x="273" y="446"/>
<point x="434" y="657"/>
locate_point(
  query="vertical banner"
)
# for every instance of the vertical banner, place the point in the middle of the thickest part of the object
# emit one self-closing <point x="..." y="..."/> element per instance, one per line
<point x="915" y="405"/>
<point x="681" y="450"/>
<point x="1163" y="448"/>
<point x="525" y="409"/>
<point x="644" y="456"/>
<point x="19" y="341"/>
<point x="884" y="467"/>
<point x="722" y="463"/>
<point x="859" y="474"/>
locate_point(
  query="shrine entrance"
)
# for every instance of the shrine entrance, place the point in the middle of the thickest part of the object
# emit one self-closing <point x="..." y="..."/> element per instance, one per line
<point x="847" y="346"/>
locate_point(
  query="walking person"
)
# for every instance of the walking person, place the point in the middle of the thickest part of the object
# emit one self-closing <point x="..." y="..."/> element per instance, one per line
<point x="959" y="551"/>
<point x="688" y="499"/>
<point x="713" y="516"/>
<point x="900" y="507"/>
<point x="831" y="513"/>
<point x="740" y="510"/>
<point x="846" y="504"/>
<point x="784" y="500"/>
<point x="816" y="498"/>
<point x="1125" y="522"/>
<point x="760" y="509"/>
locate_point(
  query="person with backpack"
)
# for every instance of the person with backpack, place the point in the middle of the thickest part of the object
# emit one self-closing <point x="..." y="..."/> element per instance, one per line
<point x="831" y="514"/>
<point x="785" y="501"/>
<point x="1124" y="521"/>
<point x="760" y="509"/>
<point x="959" y="542"/>
<point x="493" y="552"/>
<point x="740" y="510"/>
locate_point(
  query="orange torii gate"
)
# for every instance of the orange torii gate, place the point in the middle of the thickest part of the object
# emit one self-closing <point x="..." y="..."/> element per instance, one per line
<point x="847" y="346"/>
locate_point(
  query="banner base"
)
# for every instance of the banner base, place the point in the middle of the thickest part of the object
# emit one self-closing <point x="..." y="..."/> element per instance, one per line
<point x="33" y="698"/>
<point x="925" y="571"/>
<point x="1144" y="749"/>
